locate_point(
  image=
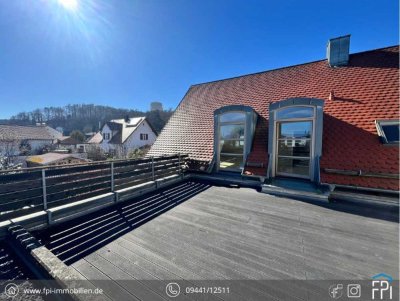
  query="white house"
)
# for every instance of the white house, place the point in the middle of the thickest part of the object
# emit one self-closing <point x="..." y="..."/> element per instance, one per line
<point x="123" y="135"/>
<point x="13" y="138"/>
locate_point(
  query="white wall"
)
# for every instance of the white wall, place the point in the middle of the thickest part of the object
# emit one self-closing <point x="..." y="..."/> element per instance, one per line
<point x="104" y="144"/>
<point x="134" y="140"/>
<point x="35" y="146"/>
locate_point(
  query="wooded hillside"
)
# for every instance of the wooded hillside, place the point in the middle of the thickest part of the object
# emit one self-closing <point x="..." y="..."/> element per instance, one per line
<point x="85" y="117"/>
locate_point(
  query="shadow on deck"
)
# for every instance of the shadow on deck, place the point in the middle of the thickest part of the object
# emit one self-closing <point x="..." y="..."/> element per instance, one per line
<point x="11" y="268"/>
<point x="73" y="240"/>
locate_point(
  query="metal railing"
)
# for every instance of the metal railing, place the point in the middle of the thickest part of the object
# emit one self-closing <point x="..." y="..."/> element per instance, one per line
<point x="36" y="189"/>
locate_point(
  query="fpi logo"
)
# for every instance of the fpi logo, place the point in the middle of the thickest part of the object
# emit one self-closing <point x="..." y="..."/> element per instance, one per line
<point x="381" y="286"/>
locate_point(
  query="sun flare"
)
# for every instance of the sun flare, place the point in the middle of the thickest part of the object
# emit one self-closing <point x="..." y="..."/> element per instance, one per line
<point x="69" y="4"/>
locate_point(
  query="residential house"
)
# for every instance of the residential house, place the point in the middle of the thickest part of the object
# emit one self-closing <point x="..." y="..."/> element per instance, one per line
<point x="14" y="138"/>
<point x="96" y="139"/>
<point x="333" y="121"/>
<point x="70" y="144"/>
<point x="120" y="136"/>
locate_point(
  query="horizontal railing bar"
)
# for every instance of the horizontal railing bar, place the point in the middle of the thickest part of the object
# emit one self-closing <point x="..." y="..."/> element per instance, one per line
<point x="21" y="194"/>
<point x="79" y="176"/>
<point x="19" y="204"/>
<point x="34" y="169"/>
<point x="77" y="184"/>
<point x="20" y="186"/>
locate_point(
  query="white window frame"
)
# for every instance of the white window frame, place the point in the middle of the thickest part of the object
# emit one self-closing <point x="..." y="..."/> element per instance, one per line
<point x="381" y="132"/>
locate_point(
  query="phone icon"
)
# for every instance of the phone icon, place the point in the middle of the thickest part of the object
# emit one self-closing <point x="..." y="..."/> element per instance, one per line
<point x="172" y="289"/>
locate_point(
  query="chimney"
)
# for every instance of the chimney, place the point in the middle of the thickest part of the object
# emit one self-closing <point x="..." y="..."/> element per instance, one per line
<point x="337" y="51"/>
<point x="127" y="119"/>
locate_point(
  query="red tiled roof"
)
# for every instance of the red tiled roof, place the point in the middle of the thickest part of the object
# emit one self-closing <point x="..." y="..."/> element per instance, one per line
<point x="365" y="90"/>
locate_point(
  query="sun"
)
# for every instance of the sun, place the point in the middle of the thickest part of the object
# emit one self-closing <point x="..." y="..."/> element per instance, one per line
<point x="69" y="4"/>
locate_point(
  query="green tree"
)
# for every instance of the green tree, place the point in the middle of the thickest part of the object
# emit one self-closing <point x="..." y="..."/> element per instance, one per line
<point x="78" y="135"/>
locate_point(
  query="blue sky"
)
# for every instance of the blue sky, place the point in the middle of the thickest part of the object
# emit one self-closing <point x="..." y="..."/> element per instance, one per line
<point x="127" y="53"/>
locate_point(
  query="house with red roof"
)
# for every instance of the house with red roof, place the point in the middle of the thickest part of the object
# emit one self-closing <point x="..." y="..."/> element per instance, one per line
<point x="333" y="121"/>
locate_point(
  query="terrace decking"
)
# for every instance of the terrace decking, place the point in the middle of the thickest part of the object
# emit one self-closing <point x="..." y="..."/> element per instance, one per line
<point x="218" y="233"/>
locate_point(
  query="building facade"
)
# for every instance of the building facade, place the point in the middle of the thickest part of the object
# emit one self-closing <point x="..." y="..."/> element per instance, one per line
<point x="333" y="121"/>
<point x="123" y="135"/>
<point x="14" y="138"/>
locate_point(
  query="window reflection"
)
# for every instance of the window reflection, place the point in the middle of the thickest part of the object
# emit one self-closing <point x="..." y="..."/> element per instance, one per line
<point x="232" y="131"/>
<point x="391" y="132"/>
<point x="295" y="112"/>
<point x="291" y="147"/>
<point x="302" y="129"/>
<point x="232" y="146"/>
<point x="233" y="117"/>
<point x="230" y="162"/>
<point x="294" y="166"/>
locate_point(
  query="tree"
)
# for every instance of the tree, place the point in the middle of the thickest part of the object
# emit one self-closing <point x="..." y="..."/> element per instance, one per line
<point x="95" y="153"/>
<point x="78" y="135"/>
<point x="9" y="147"/>
<point x="87" y="128"/>
<point x="25" y="148"/>
<point x="139" y="152"/>
<point x="83" y="117"/>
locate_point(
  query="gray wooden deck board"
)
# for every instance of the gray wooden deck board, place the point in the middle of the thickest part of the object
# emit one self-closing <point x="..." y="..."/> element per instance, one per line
<point x="227" y="233"/>
<point x="99" y="279"/>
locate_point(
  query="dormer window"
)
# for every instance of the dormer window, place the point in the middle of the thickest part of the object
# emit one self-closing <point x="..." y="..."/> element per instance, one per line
<point x="388" y="131"/>
<point x="295" y="138"/>
<point x="234" y="130"/>
<point x="106" y="136"/>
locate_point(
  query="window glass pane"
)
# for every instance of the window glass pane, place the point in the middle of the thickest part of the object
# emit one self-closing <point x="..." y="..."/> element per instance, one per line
<point x="233" y="117"/>
<point x="232" y="131"/>
<point x="300" y="129"/>
<point x="230" y="162"/>
<point x="295" y="112"/>
<point x="232" y="146"/>
<point x="294" y="166"/>
<point x="291" y="147"/>
<point x="391" y="132"/>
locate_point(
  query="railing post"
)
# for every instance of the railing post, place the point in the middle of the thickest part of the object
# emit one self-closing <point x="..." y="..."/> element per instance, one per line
<point x="44" y="189"/>
<point x="112" y="176"/>
<point x="180" y="166"/>
<point x="152" y="168"/>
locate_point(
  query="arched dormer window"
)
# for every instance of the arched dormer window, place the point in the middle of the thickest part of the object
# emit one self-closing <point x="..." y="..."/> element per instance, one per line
<point x="233" y="134"/>
<point x="295" y="138"/>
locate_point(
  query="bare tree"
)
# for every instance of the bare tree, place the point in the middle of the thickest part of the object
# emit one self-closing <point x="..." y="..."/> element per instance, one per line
<point x="9" y="147"/>
<point x="121" y="152"/>
<point x="95" y="153"/>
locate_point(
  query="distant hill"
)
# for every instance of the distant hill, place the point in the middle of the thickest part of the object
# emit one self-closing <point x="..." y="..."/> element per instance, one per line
<point x="84" y="117"/>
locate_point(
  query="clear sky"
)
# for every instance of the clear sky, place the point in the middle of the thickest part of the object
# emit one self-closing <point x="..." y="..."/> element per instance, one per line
<point x="127" y="53"/>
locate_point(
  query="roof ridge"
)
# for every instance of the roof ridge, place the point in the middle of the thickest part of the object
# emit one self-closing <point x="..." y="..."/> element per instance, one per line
<point x="286" y="67"/>
<point x="27" y="126"/>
